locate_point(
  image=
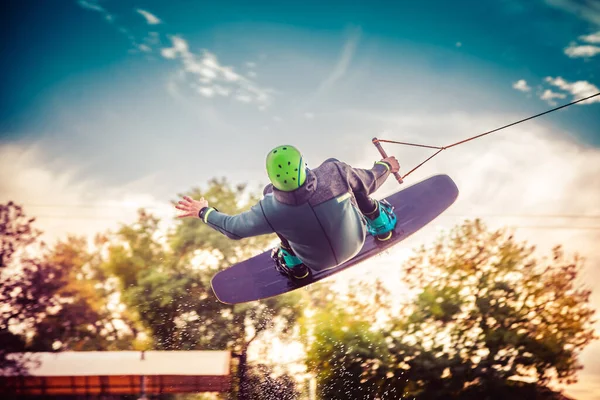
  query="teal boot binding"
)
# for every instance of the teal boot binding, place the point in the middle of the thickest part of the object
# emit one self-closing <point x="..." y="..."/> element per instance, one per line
<point x="382" y="225"/>
<point x="289" y="264"/>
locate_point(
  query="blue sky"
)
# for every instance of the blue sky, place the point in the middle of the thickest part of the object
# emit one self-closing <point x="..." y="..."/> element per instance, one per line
<point x="110" y="105"/>
<point x="77" y="80"/>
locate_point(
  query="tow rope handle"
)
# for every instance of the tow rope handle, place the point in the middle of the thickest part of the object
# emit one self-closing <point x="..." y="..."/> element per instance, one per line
<point x="382" y="152"/>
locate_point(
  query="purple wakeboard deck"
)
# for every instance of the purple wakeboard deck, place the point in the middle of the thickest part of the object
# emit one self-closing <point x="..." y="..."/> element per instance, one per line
<point x="257" y="278"/>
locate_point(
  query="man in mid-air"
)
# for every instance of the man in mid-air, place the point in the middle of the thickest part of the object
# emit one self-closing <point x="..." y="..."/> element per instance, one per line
<point x="321" y="215"/>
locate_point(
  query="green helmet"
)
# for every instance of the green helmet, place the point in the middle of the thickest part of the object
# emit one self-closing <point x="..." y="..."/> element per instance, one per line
<point x="286" y="168"/>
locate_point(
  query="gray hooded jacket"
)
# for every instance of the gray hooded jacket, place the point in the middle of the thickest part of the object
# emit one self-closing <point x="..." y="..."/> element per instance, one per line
<point x="320" y="220"/>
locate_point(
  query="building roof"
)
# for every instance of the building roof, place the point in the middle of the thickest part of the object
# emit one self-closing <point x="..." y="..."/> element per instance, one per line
<point x="123" y="363"/>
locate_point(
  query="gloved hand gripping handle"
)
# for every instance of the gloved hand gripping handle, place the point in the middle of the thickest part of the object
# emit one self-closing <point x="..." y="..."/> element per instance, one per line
<point x="382" y="152"/>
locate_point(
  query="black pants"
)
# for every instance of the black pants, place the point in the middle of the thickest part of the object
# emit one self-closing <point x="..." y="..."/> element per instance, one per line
<point x="366" y="205"/>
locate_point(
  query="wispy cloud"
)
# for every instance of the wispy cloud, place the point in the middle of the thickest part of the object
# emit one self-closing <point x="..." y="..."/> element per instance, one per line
<point x="94" y="6"/>
<point x="90" y="6"/>
<point x="591" y="38"/>
<point x="588" y="10"/>
<point x="63" y="203"/>
<point x="209" y="78"/>
<point x="213" y="79"/>
<point x="577" y="51"/>
<point x="578" y="90"/>
<point x="549" y="96"/>
<point x="206" y="91"/>
<point x="180" y="46"/>
<point x="343" y="61"/>
<point x="221" y="91"/>
<point x="521" y="85"/>
<point x="151" y="19"/>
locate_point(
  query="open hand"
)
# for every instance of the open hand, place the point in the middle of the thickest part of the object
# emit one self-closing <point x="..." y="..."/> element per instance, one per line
<point x="190" y="207"/>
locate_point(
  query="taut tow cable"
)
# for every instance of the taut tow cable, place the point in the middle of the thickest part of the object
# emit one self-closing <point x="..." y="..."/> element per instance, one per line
<point x="377" y="142"/>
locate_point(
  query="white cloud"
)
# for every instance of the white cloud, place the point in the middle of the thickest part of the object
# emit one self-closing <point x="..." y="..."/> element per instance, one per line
<point x="169" y="53"/>
<point x="195" y="68"/>
<point x="575" y="51"/>
<point x="458" y="44"/>
<point x="309" y="115"/>
<point x="591" y="38"/>
<point x="94" y="6"/>
<point x="91" y="6"/>
<point x="343" y="61"/>
<point x="549" y="96"/>
<point x="229" y="74"/>
<point x="208" y="73"/>
<point x="151" y="19"/>
<point x="207" y="69"/>
<point x="137" y="47"/>
<point x="206" y="91"/>
<point x="210" y="60"/>
<point x="222" y="91"/>
<point x="180" y="48"/>
<point x="521" y="85"/>
<point x="579" y="89"/>
<point x="63" y="204"/>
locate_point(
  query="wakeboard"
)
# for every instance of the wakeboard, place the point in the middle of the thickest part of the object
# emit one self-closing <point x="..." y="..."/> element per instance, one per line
<point x="257" y="278"/>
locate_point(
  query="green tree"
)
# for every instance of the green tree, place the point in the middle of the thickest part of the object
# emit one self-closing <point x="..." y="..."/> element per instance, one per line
<point x="48" y="300"/>
<point x="343" y="350"/>
<point x="88" y="317"/>
<point x="495" y="312"/>
<point x="347" y="352"/>
<point x="156" y="290"/>
<point x="18" y="270"/>
<point x="489" y="315"/>
<point x="165" y="278"/>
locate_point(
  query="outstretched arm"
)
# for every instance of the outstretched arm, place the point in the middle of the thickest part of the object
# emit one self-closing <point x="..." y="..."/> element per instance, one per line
<point x="246" y="224"/>
<point x="369" y="180"/>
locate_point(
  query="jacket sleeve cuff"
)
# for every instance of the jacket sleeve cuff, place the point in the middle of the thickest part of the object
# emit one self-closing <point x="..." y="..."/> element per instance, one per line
<point x="387" y="166"/>
<point x="204" y="212"/>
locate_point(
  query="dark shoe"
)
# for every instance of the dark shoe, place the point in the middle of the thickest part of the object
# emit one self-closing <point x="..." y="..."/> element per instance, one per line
<point x="283" y="259"/>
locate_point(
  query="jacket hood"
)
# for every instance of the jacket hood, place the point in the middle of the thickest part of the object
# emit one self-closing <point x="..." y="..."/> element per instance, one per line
<point x="300" y="195"/>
